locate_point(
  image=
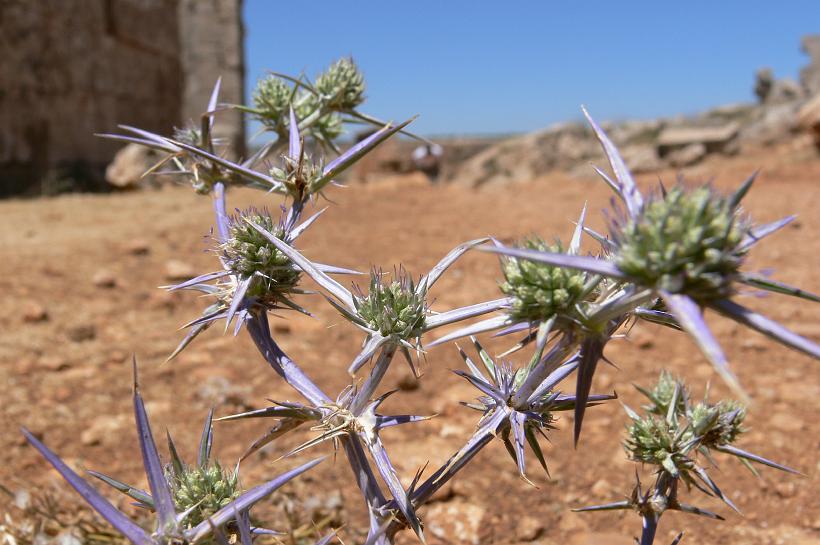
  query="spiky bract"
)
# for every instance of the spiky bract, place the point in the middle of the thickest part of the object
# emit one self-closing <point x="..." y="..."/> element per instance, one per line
<point x="686" y="241"/>
<point x="393" y="309"/>
<point x="248" y="253"/>
<point x="540" y="291"/>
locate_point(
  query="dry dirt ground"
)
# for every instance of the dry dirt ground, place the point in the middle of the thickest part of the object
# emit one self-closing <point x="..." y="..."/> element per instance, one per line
<point x="93" y="264"/>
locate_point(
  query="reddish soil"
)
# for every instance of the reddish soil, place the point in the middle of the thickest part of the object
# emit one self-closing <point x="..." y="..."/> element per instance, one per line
<point x="67" y="375"/>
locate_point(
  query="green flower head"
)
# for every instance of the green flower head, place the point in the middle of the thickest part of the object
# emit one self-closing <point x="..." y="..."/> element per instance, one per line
<point x="341" y="85"/>
<point x="686" y="241"/>
<point x="538" y="290"/>
<point x="206" y="489"/>
<point x="718" y="424"/>
<point x="393" y="309"/>
<point x="272" y="100"/>
<point x="249" y="254"/>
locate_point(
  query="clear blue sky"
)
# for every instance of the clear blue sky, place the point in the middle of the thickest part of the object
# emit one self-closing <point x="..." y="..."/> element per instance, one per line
<point x="485" y="67"/>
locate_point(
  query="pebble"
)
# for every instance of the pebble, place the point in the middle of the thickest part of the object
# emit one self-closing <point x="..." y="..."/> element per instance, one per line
<point x="457" y="520"/>
<point x="408" y="383"/>
<point x="82" y="333"/>
<point x="34" y="312"/>
<point x="601" y="489"/>
<point x="104" y="279"/>
<point x="281" y="327"/>
<point x="642" y="339"/>
<point x="138" y="246"/>
<point x="528" y="528"/>
<point x="101" y="427"/>
<point x="53" y="362"/>
<point x="786" y="489"/>
<point x="179" y="270"/>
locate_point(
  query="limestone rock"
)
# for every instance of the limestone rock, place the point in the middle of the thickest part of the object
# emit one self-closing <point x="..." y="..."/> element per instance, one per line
<point x="34" y="312"/>
<point x="179" y="270"/>
<point x="456" y="521"/>
<point x="687" y="155"/>
<point x="810" y="75"/>
<point x="129" y="164"/>
<point x="808" y="118"/>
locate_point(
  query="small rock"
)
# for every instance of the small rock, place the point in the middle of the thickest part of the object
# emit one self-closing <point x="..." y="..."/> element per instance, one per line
<point x="642" y="339"/>
<point x="528" y="528"/>
<point x="138" y="246"/>
<point x="34" y="312"/>
<point x="62" y="394"/>
<point x="408" y="383"/>
<point x="104" y="279"/>
<point x="753" y="344"/>
<point x="281" y="327"/>
<point x="601" y="489"/>
<point x="687" y="155"/>
<point x="101" y="427"/>
<point x="785" y="489"/>
<point x="218" y="390"/>
<point x="128" y="166"/>
<point x="82" y="333"/>
<point x="53" y="362"/>
<point x="641" y="158"/>
<point x="116" y="356"/>
<point x="179" y="270"/>
<point x="457" y="520"/>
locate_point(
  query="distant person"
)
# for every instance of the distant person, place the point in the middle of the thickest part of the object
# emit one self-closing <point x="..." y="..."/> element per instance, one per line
<point x="427" y="159"/>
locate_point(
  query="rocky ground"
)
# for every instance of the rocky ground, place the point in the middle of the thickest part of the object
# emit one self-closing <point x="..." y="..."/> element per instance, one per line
<point x="79" y="277"/>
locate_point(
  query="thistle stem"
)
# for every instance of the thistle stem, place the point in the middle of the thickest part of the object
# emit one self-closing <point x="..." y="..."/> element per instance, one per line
<point x="374" y="379"/>
<point x="219" y="211"/>
<point x="650" y="526"/>
<point x="365" y="478"/>
<point x="259" y="330"/>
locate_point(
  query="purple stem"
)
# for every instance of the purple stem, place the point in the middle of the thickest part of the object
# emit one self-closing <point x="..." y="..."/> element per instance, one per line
<point x="259" y="330"/>
<point x="374" y="379"/>
<point x="219" y="211"/>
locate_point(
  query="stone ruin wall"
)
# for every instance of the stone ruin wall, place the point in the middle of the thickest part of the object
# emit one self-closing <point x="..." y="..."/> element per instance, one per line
<point x="72" y="68"/>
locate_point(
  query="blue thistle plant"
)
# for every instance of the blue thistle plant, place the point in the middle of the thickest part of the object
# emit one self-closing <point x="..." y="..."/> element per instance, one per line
<point x="683" y="249"/>
<point x="671" y="436"/>
<point x="668" y="257"/>
<point x="173" y="526"/>
<point x="200" y="490"/>
<point x="505" y="415"/>
<point x="256" y="276"/>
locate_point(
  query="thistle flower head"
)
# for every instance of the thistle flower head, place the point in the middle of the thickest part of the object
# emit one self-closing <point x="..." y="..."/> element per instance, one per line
<point x="668" y="390"/>
<point x="394" y="309"/>
<point x="717" y="425"/>
<point x="685" y="241"/>
<point x="300" y="176"/>
<point x="342" y="85"/>
<point x="656" y="440"/>
<point x="203" y="489"/>
<point x="249" y="254"/>
<point x="272" y="98"/>
<point x="538" y="290"/>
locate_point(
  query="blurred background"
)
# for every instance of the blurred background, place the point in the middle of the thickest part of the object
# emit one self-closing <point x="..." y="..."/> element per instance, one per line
<point x="710" y="90"/>
<point x="682" y="84"/>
